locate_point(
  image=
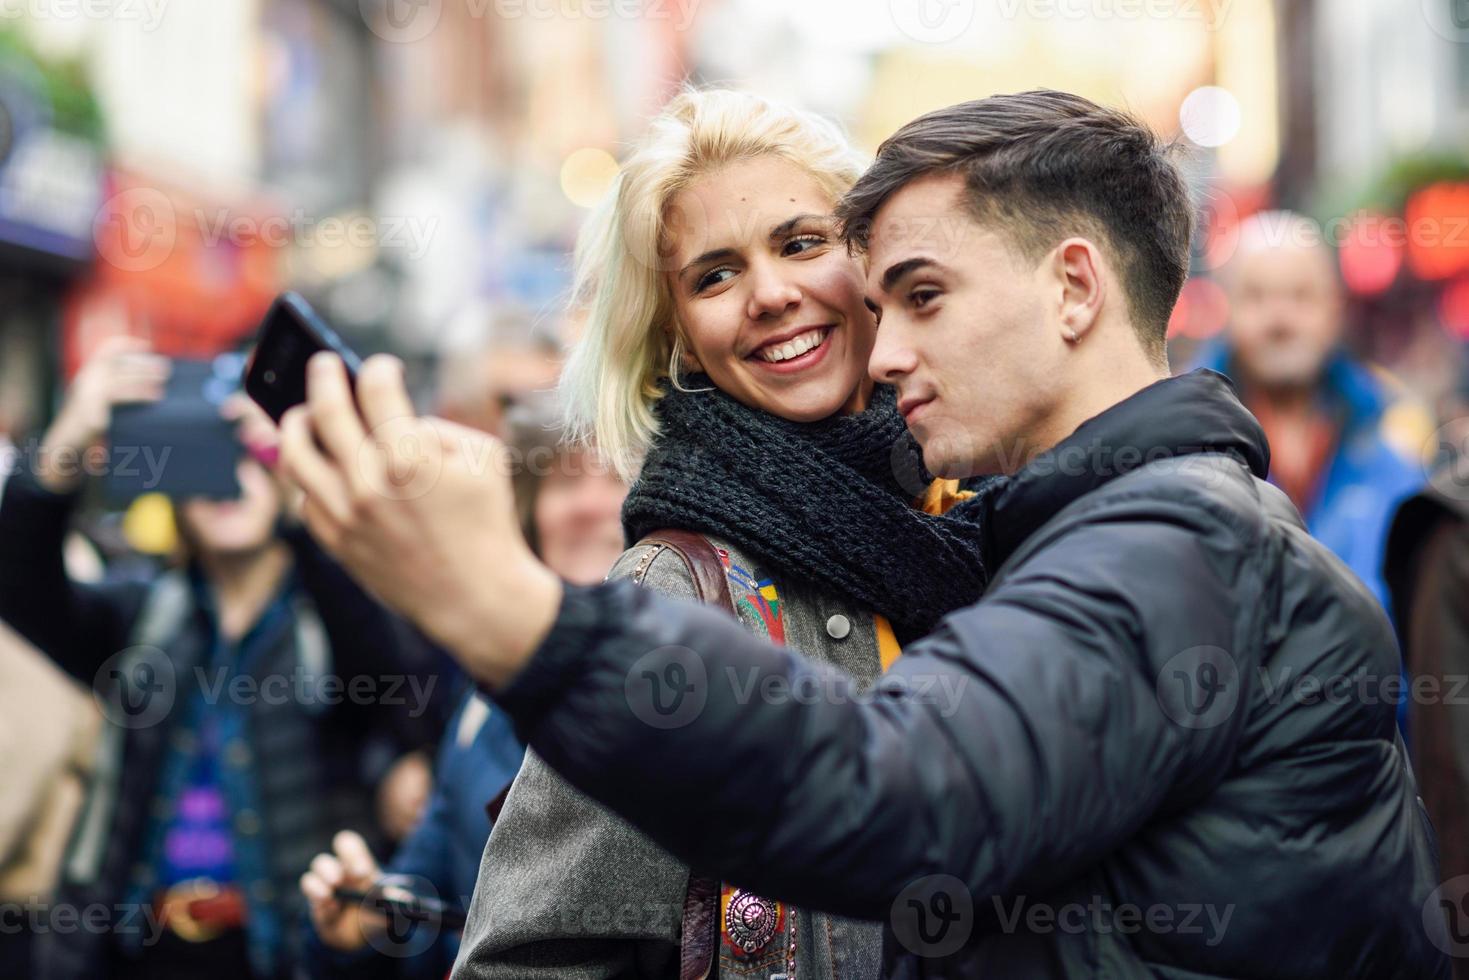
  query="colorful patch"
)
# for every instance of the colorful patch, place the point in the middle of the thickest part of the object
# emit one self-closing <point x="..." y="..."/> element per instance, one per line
<point x="761" y="598"/>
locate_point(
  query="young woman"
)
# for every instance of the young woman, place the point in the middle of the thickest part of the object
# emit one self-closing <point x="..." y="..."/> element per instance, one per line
<point x="724" y="363"/>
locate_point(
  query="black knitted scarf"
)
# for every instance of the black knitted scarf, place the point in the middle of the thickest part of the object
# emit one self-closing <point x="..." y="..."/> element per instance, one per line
<point x="829" y="503"/>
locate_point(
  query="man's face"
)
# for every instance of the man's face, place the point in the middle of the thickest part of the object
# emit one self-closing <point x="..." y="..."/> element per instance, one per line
<point x="1285" y="314"/>
<point x="969" y="331"/>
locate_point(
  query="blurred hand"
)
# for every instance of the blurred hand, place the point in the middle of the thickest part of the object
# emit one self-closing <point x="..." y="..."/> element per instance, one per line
<point x="341" y="924"/>
<point x="403" y="793"/>
<point x="421" y="512"/>
<point x="121" y="370"/>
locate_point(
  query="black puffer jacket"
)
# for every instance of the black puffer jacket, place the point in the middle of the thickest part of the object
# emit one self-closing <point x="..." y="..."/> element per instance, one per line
<point x="1163" y="744"/>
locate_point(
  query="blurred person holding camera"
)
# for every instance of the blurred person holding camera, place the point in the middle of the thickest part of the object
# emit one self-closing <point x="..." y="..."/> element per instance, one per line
<point x="231" y="751"/>
<point x="1344" y="438"/>
<point x="569" y="501"/>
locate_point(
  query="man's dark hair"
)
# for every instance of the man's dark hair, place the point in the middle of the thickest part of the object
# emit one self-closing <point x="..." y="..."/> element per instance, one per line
<point x="1040" y="166"/>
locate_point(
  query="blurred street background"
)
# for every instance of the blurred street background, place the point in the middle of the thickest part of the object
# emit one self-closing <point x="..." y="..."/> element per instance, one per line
<point x="418" y="168"/>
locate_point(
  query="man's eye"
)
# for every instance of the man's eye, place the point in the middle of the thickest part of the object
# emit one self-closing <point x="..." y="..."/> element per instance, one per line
<point x="805" y="243"/>
<point x="921" y="297"/>
<point x="712" y="278"/>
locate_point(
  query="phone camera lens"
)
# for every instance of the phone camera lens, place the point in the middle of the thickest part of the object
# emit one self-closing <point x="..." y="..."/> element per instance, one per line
<point x="269" y="376"/>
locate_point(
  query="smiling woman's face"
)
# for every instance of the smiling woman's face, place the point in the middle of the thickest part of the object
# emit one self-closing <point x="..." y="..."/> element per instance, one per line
<point x="768" y="297"/>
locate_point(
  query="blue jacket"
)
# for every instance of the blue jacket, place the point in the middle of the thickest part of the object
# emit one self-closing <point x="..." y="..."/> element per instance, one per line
<point x="1367" y="478"/>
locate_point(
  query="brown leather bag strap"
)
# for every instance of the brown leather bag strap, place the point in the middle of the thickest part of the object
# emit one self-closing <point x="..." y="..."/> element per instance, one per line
<point x="699" y="940"/>
<point x="700" y="557"/>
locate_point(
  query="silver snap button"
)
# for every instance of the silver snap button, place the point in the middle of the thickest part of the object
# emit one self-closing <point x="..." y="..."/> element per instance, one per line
<point x="838" y="627"/>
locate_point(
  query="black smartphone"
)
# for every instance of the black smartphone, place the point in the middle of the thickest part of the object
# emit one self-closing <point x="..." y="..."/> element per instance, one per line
<point x="291" y="332"/>
<point x="412" y="908"/>
<point x="179" y="445"/>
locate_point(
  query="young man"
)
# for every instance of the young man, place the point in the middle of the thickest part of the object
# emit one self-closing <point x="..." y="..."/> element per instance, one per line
<point x="1121" y="761"/>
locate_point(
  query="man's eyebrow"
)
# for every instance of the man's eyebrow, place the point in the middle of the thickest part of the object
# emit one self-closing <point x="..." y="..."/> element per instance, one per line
<point x="712" y="255"/>
<point x="898" y="270"/>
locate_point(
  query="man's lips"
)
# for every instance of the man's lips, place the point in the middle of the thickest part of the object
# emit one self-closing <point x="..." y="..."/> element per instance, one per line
<point x="910" y="407"/>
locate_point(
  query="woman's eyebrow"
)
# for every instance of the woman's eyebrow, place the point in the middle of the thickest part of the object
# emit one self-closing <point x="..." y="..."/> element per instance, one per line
<point x="785" y="227"/>
<point x="714" y="255"/>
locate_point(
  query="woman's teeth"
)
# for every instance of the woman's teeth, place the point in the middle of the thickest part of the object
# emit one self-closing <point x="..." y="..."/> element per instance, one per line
<point x="794" y="347"/>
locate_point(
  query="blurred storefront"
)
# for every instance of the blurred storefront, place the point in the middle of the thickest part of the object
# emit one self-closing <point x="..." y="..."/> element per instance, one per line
<point x="51" y="184"/>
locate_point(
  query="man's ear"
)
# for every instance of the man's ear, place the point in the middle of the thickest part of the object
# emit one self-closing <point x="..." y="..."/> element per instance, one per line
<point x="1078" y="268"/>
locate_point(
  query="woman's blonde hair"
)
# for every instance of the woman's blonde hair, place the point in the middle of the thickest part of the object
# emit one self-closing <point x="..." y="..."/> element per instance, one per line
<point x="610" y="382"/>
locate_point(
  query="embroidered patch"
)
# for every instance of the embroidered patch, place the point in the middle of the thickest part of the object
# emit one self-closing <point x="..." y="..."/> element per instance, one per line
<point x="761" y="598"/>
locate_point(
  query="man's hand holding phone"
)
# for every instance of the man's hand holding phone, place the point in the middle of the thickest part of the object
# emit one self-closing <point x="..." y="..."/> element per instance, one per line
<point x="421" y="512"/>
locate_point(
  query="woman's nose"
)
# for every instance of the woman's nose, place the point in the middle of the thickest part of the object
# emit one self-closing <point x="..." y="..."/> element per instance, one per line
<point x="771" y="293"/>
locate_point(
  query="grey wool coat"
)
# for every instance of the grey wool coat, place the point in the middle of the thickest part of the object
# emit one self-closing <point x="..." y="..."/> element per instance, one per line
<point x="567" y="890"/>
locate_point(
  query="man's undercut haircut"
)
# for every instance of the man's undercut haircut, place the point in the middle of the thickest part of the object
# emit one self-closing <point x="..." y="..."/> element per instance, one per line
<point x="1040" y="167"/>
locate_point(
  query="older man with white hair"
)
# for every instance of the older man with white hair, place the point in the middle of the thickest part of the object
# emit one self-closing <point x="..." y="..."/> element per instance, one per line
<point x="1343" y="438"/>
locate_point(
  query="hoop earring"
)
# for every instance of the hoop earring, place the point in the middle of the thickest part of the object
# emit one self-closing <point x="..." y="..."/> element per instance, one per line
<point x="673" y="362"/>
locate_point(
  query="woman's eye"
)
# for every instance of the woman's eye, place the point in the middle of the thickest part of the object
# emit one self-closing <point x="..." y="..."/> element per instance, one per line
<point x="921" y="297"/>
<point x="802" y="243"/>
<point x="712" y="278"/>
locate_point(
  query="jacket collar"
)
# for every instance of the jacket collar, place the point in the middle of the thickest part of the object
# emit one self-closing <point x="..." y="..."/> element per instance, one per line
<point x="1191" y="414"/>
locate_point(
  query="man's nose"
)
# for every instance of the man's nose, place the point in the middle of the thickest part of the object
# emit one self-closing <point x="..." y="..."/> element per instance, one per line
<point x="892" y="358"/>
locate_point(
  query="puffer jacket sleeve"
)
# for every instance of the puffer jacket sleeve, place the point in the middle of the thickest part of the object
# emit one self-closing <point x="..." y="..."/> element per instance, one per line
<point x="567" y="889"/>
<point x="1017" y="744"/>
